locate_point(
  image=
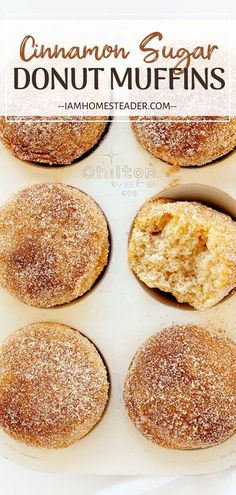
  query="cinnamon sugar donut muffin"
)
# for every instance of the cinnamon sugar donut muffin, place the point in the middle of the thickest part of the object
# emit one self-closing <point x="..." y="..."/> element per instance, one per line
<point x="53" y="142"/>
<point x="53" y="385"/>
<point x="180" y="391"/>
<point x="184" y="248"/>
<point x="185" y="143"/>
<point x="54" y="244"/>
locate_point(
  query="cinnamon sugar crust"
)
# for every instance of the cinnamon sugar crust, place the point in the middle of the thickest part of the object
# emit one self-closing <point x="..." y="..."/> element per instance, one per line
<point x="54" y="243"/>
<point x="185" y="143"/>
<point x="180" y="390"/>
<point x="53" y="385"/>
<point x="53" y="141"/>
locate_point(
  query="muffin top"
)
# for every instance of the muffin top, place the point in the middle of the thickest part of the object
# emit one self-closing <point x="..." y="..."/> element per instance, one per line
<point x="184" y="143"/>
<point x="53" y="244"/>
<point x="53" y="385"/>
<point x="52" y="140"/>
<point x="180" y="391"/>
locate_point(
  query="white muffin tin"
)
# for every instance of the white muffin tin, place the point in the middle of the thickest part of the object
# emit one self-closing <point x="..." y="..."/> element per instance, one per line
<point x="118" y="314"/>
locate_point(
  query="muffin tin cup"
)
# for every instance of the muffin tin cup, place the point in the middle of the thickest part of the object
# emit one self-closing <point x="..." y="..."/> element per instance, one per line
<point x="207" y="195"/>
<point x="118" y="315"/>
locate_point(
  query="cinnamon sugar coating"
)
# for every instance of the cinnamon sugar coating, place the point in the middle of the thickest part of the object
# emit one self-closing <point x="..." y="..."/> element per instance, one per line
<point x="180" y="391"/>
<point x="53" y="142"/>
<point x="54" y="243"/>
<point x="53" y="385"/>
<point x="185" y="143"/>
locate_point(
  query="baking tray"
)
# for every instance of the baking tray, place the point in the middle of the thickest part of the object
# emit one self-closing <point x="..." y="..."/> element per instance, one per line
<point x="119" y="313"/>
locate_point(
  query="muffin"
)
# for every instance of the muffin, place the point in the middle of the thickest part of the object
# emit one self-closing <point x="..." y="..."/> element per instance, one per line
<point x="54" y="243"/>
<point x="53" y="141"/>
<point x="180" y="390"/>
<point x="184" y="143"/>
<point x="53" y="385"/>
<point x="184" y="248"/>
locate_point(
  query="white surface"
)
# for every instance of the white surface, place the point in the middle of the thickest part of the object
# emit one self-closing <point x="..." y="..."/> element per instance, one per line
<point x="18" y="481"/>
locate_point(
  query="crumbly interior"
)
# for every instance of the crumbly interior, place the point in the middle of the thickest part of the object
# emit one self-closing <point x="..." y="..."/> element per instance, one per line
<point x="186" y="249"/>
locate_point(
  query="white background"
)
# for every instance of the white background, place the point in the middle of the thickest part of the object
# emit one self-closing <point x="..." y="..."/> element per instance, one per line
<point x="15" y="480"/>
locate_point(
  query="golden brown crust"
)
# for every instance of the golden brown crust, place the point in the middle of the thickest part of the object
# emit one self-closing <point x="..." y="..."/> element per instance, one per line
<point x="184" y="248"/>
<point x="53" y="385"/>
<point x="54" y="244"/>
<point x="180" y="391"/>
<point x="52" y="142"/>
<point x="184" y="143"/>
